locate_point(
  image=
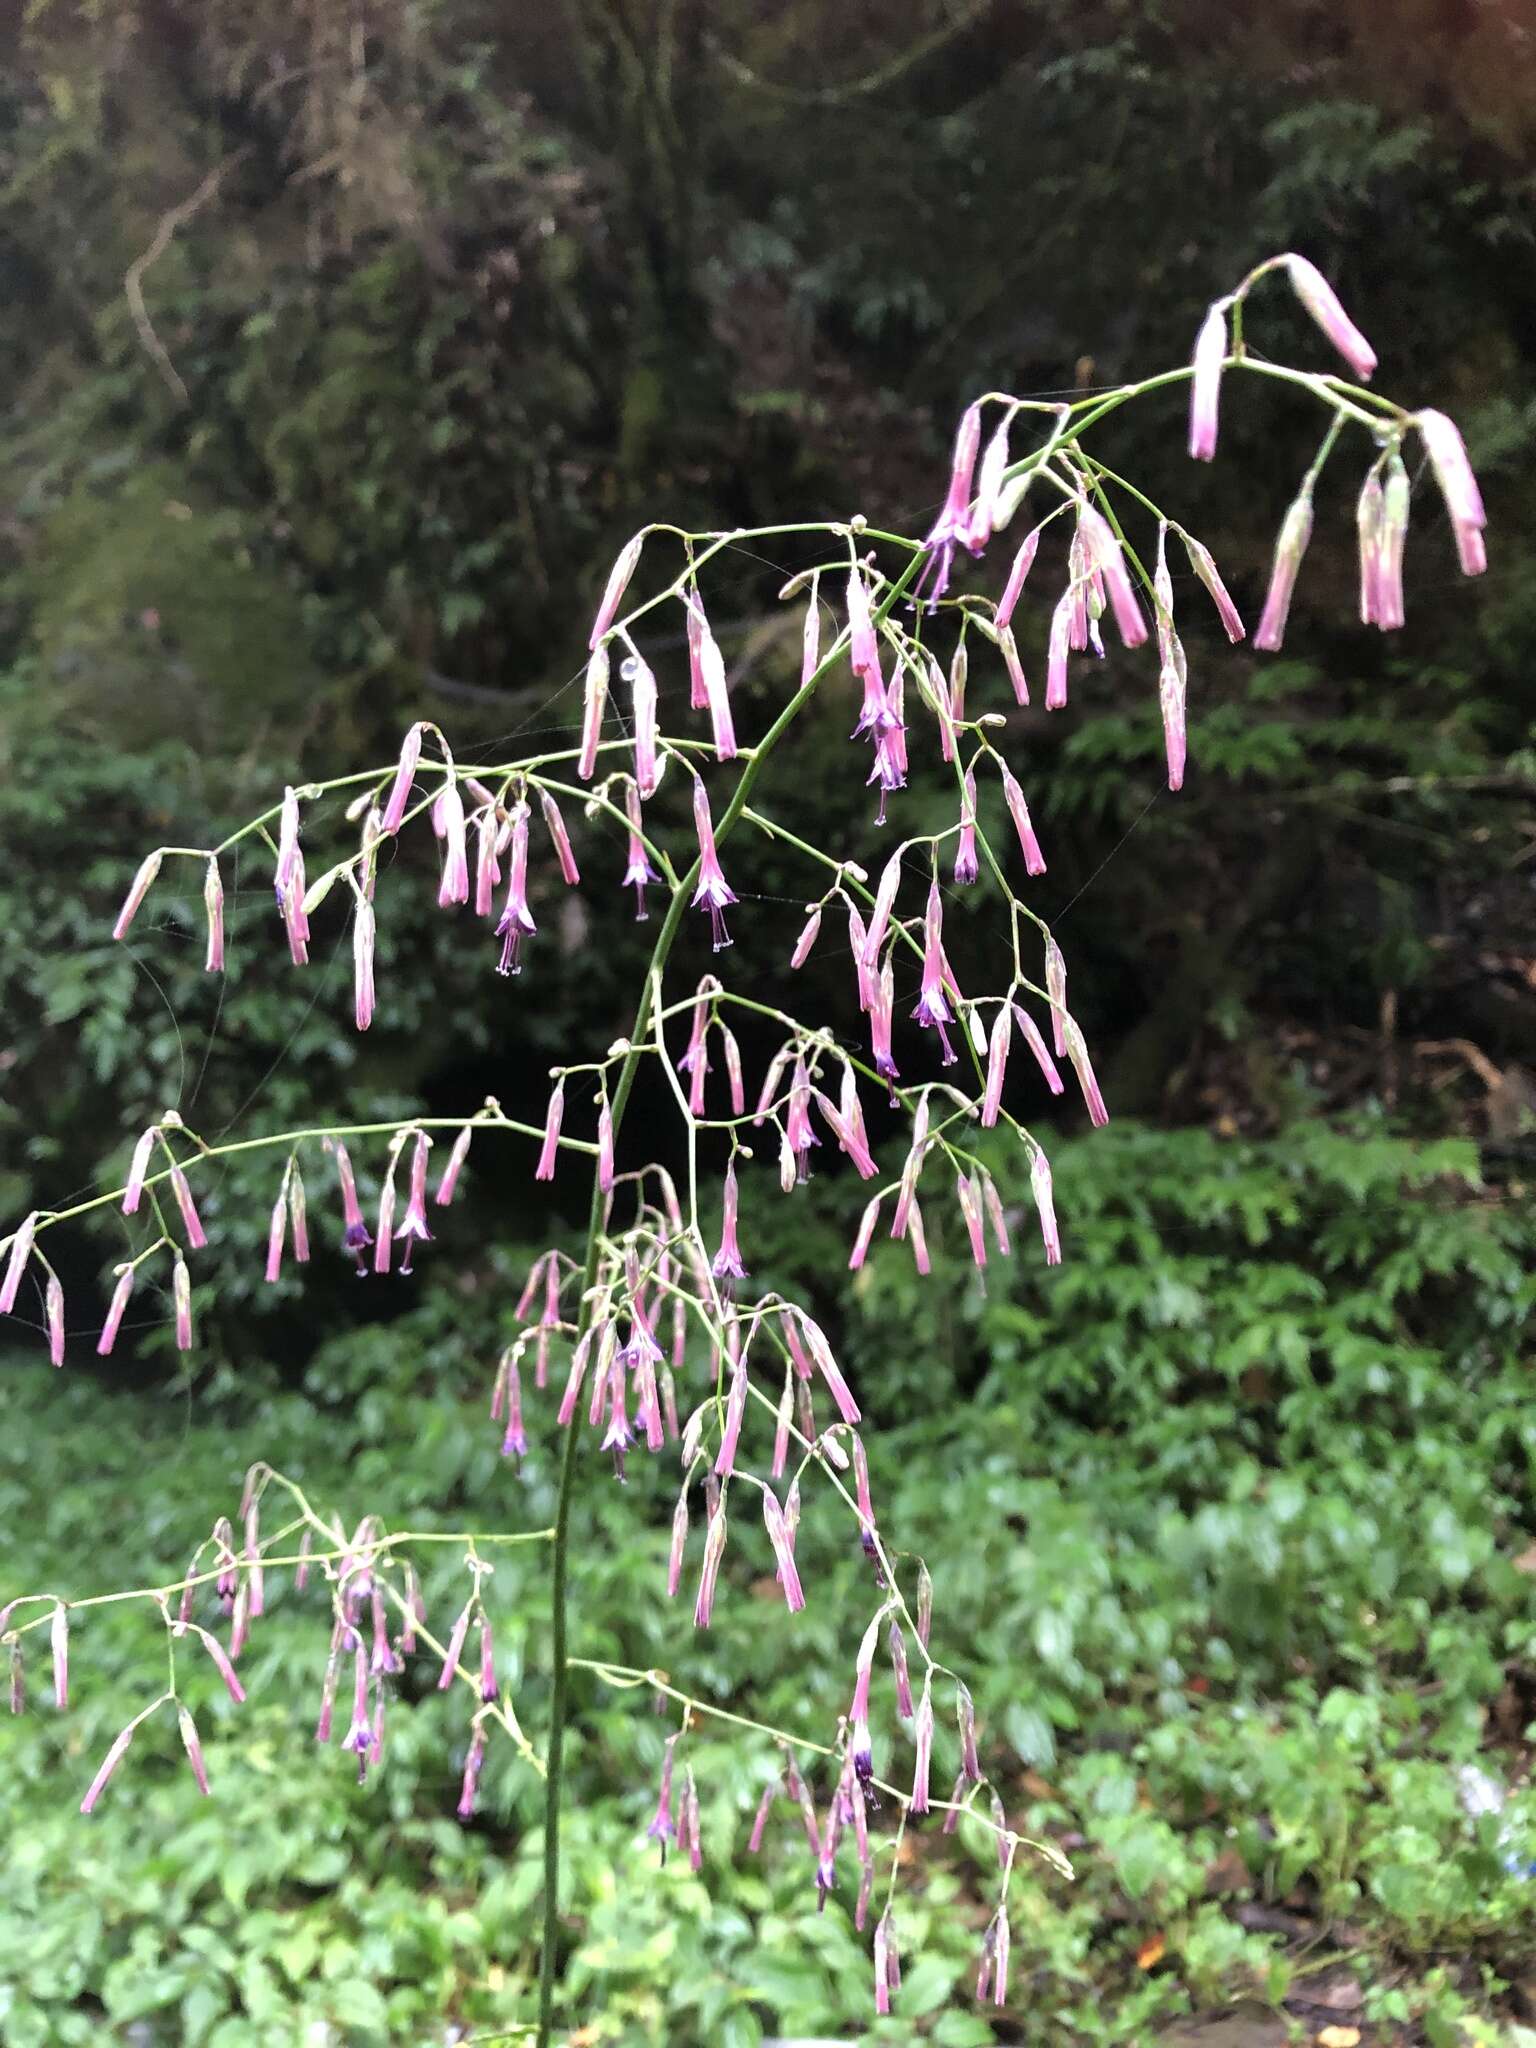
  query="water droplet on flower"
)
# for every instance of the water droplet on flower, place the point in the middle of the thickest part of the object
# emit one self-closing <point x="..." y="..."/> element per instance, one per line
<point x="629" y="667"/>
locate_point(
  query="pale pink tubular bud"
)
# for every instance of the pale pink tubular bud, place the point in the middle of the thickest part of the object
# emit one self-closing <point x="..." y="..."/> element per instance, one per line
<point x="1171" y="687"/>
<point x="887" y="1967"/>
<point x="455" y="1648"/>
<point x="970" y="1210"/>
<point x="115" y="1309"/>
<point x="613" y="592"/>
<point x="1008" y="647"/>
<point x="109" y="1764"/>
<point x="642" y="682"/>
<point x="194" y="1749"/>
<point x="138" y="889"/>
<point x="58" y="1643"/>
<point x="1200" y="560"/>
<point x="138" y="1166"/>
<point x="1056" y="991"/>
<point x="810" y="636"/>
<point x="16" y="1265"/>
<point x="213" y="906"/>
<point x="989" y="484"/>
<point x="1368" y="518"/>
<point x="998" y="1045"/>
<point x="560" y="838"/>
<point x="287" y="838"/>
<point x="716" y="693"/>
<point x="730" y="1437"/>
<point x="1295" y="532"/>
<point x="298" y="1209"/>
<point x="1023" y="561"/>
<point x="1077" y="1052"/>
<point x="863" y="647"/>
<point x="400" y="789"/>
<point x="866" y="1232"/>
<point x="827" y="1366"/>
<point x="181" y="1299"/>
<point x="363" y="931"/>
<point x="1040" y="1182"/>
<point x="1205" y="388"/>
<point x="965" y="1716"/>
<point x="593" y="702"/>
<point x="1107" y="556"/>
<point x="549" y="1150"/>
<point x="733" y="1074"/>
<point x="880" y="915"/>
<point x="679" y="1543"/>
<point x="221" y="1662"/>
<point x="605" y="1147"/>
<point x="1447" y="454"/>
<point x="1018" y="810"/>
<point x="487" y="866"/>
<point x="781" y="1428"/>
<point x="783" y="1551"/>
<point x="448" y="817"/>
<point x="807" y="937"/>
<point x="994" y="1207"/>
<point x="384" y="1224"/>
<point x="917" y="1238"/>
<point x="760" y="1818"/>
<point x="1038" y="1047"/>
<point x="1322" y="302"/>
<point x="1394" y="537"/>
<point x="922" y="1736"/>
<point x="455" y="1166"/>
<point x="1056" y="647"/>
<point x="709" y="1572"/>
<point x="276" y="1233"/>
<point x="191" y="1221"/>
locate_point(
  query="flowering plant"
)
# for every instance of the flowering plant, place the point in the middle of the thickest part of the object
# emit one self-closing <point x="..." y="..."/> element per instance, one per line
<point x="653" y="1333"/>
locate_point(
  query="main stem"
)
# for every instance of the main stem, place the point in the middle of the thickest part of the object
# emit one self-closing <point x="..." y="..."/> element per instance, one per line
<point x="559" y="1700"/>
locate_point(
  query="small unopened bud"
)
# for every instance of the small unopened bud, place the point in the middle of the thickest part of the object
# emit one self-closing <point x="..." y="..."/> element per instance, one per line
<point x="138" y="889"/>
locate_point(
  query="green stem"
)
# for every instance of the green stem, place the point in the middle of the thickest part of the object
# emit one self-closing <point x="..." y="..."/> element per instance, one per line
<point x="559" y="1702"/>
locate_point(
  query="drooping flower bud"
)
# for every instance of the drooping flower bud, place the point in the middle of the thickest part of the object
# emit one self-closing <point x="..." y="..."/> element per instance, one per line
<point x="181" y="1298"/>
<point x="570" y="874"/>
<point x="713" y="893"/>
<point x="138" y="889"/>
<point x="400" y="789"/>
<point x="109" y="1764"/>
<point x="1447" y="454"/>
<point x="138" y="1167"/>
<point x="16" y="1264"/>
<point x="613" y="592"/>
<point x="1322" y="302"/>
<point x="1205" y="568"/>
<point x="594" y="699"/>
<point x="922" y="1736"/>
<point x="549" y="1150"/>
<point x="115" y="1309"/>
<point x="213" y="906"/>
<point x="1205" y="389"/>
<point x="781" y="1537"/>
<point x="714" y="1551"/>
<point x="1295" y="532"/>
<point x="455" y="1166"/>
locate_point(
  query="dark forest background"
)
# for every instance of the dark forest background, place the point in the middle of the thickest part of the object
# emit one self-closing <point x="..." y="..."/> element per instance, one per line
<point x="345" y="345"/>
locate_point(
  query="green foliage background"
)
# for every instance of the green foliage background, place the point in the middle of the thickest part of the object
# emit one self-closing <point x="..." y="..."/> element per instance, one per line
<point x="1224" y="1514"/>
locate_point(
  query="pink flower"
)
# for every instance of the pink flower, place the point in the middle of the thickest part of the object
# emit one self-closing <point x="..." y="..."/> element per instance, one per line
<point x="400" y="788"/>
<point x="1056" y="992"/>
<point x="1205" y="389"/>
<point x="213" y="905"/>
<point x="53" y="1318"/>
<point x="714" y="1551"/>
<point x="1077" y="1052"/>
<point x="299" y="1210"/>
<point x="1018" y="810"/>
<point x="197" y="1237"/>
<point x="287" y="840"/>
<point x="642" y="682"/>
<point x="989" y="485"/>
<point x="593" y="701"/>
<point x="639" y="873"/>
<point x="679" y="1542"/>
<point x="448" y="820"/>
<point x="1009" y="649"/>
<point x="860" y="1751"/>
<point x="1040" y="1182"/>
<point x="193" y="1747"/>
<point x="953" y="523"/>
<point x="887" y="1962"/>
<point x="1447" y="454"/>
<point x="1013" y="588"/>
<point x="782" y="1540"/>
<point x="277" y="1231"/>
<point x="138" y="889"/>
<point x="1037" y="1046"/>
<point x="923" y="1748"/>
<point x="357" y="1237"/>
<point x="384" y="1222"/>
<point x="1295" y="532"/>
<point x="516" y="921"/>
<point x="181" y="1298"/>
<point x="115" y="1309"/>
<point x="363" y="928"/>
<point x="138" y="1166"/>
<point x="548" y="1151"/>
<point x="455" y="1166"/>
<point x="932" y="1006"/>
<point x="109" y="1764"/>
<point x="469" y="1787"/>
<point x="1322" y="302"/>
<point x="807" y="937"/>
<point x="709" y="691"/>
<point x="880" y="1023"/>
<point x="726" y="1264"/>
<point x="866" y="1232"/>
<point x="1056" y="650"/>
<point x="713" y="893"/>
<point x="570" y="874"/>
<point x="21" y="1251"/>
<point x="1368" y="518"/>
<point x="413" y="1225"/>
<point x="1205" y="568"/>
<point x="1105" y="554"/>
<point x="618" y="582"/>
<point x="663" y="1828"/>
